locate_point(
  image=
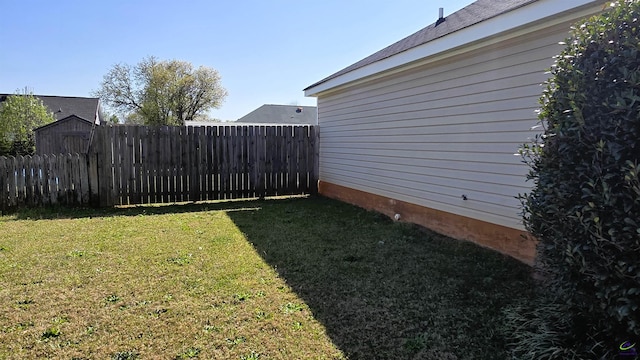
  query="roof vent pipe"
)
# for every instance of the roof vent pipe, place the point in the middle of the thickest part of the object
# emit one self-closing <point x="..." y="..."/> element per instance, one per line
<point x="441" y="18"/>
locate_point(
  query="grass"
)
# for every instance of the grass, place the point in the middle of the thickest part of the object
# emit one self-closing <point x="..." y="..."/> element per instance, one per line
<point x="308" y="278"/>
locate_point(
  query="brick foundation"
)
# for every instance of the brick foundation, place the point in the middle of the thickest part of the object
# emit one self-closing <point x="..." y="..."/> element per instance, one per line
<point x="515" y="243"/>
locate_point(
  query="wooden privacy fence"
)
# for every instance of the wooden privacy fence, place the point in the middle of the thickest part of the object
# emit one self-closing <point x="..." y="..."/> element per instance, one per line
<point x="140" y="164"/>
<point x="44" y="180"/>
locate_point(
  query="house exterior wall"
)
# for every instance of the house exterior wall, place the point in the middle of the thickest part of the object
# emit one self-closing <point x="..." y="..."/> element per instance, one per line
<point x="64" y="136"/>
<point x="440" y="133"/>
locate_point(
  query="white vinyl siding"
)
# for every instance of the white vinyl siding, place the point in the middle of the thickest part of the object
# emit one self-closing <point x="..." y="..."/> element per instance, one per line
<point x="431" y="134"/>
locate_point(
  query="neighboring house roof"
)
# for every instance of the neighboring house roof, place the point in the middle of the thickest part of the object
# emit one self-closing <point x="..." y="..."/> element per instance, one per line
<point x="201" y="123"/>
<point x="282" y="114"/>
<point x="64" y="106"/>
<point x="481" y="11"/>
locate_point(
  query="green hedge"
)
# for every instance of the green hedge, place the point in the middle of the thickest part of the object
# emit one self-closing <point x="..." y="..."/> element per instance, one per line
<point x="585" y="204"/>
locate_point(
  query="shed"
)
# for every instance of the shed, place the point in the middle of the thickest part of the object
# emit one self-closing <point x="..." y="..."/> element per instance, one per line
<point x="427" y="127"/>
<point x="68" y="135"/>
<point x="71" y="131"/>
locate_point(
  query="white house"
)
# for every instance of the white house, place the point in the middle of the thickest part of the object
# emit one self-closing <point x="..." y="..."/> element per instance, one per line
<point x="427" y="128"/>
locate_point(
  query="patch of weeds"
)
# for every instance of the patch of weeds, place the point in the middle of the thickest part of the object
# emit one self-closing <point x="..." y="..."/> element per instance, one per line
<point x="240" y="297"/>
<point x="77" y="253"/>
<point x="125" y="355"/>
<point x="415" y="343"/>
<point x="290" y="307"/>
<point x="159" y="312"/>
<point x="297" y="326"/>
<point x="261" y="315"/>
<point x="19" y="326"/>
<point x="24" y="325"/>
<point x="192" y="285"/>
<point x="189" y="353"/>
<point x="253" y="356"/>
<point x="52" y="332"/>
<point x="211" y="328"/>
<point x="60" y="320"/>
<point x="353" y="258"/>
<point x="236" y="340"/>
<point x="25" y="302"/>
<point x="90" y="330"/>
<point x="113" y="298"/>
<point x="259" y="294"/>
<point x="181" y="259"/>
<point x="2" y="248"/>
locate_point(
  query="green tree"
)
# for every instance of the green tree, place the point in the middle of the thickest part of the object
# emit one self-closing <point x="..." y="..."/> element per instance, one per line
<point x="161" y="92"/>
<point x="19" y="115"/>
<point x="113" y="119"/>
<point x="585" y="204"/>
<point x="133" y="119"/>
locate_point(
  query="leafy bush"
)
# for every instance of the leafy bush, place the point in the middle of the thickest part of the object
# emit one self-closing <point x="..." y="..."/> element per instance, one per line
<point x="585" y="204"/>
<point x="19" y="115"/>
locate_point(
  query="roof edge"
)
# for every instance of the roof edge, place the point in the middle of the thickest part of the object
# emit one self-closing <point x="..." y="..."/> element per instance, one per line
<point x="64" y="119"/>
<point x="508" y="21"/>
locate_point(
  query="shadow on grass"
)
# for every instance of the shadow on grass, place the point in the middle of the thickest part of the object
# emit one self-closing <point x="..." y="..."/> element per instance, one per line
<point x="383" y="290"/>
<point x="388" y="290"/>
<point x="61" y="212"/>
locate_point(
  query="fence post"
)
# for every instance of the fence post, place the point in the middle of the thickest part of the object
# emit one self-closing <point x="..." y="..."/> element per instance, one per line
<point x="315" y="154"/>
<point x="92" y="166"/>
<point x="4" y="177"/>
<point x="105" y="172"/>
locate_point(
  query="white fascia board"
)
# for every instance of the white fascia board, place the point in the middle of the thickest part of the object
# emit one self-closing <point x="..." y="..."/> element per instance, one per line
<point x="490" y="28"/>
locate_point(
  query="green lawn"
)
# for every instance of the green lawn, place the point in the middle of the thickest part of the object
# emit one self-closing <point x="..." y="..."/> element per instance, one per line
<point x="306" y="278"/>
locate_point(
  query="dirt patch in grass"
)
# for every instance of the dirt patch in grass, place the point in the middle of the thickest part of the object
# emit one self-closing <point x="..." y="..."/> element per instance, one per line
<point x="279" y="279"/>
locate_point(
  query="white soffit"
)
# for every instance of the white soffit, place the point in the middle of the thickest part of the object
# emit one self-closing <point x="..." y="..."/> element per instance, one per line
<point x="491" y="28"/>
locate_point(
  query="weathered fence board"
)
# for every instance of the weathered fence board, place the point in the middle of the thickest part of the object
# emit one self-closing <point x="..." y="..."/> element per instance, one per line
<point x="44" y="180"/>
<point x="138" y="165"/>
<point x="174" y="164"/>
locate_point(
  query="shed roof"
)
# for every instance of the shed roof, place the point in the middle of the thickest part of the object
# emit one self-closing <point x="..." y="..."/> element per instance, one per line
<point x="64" y="106"/>
<point x="474" y="13"/>
<point x="63" y="120"/>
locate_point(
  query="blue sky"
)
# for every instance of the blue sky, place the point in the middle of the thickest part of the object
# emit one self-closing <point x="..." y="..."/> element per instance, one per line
<point x="265" y="51"/>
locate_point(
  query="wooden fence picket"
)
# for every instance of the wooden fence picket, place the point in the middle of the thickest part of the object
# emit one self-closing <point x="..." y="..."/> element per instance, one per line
<point x="138" y="165"/>
<point x="4" y="187"/>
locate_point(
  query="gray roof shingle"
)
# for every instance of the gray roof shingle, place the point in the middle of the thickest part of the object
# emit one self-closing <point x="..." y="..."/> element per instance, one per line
<point x="282" y="114"/>
<point x="64" y="106"/>
<point x="472" y="14"/>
